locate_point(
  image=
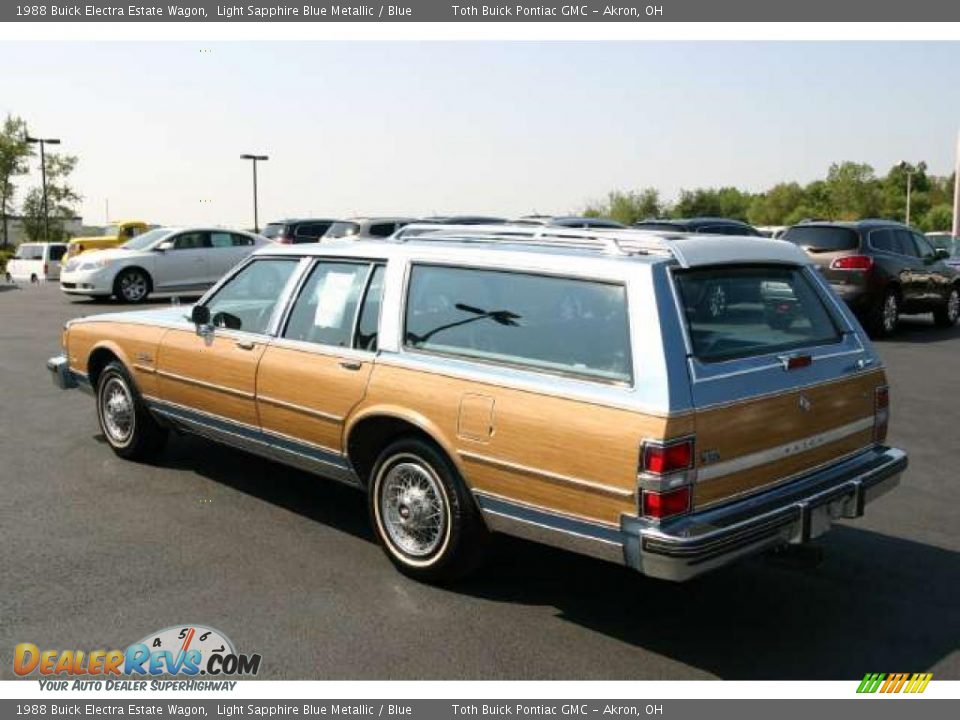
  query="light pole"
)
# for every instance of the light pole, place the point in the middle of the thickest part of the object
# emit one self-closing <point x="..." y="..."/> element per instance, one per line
<point x="910" y="170"/>
<point x="956" y="192"/>
<point x="254" y="158"/>
<point x="43" y="175"/>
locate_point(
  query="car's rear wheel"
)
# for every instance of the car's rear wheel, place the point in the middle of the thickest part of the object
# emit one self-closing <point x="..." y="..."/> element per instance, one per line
<point x="947" y="314"/>
<point x="886" y="316"/>
<point x="132" y="286"/>
<point x="423" y="514"/>
<point x="127" y="425"/>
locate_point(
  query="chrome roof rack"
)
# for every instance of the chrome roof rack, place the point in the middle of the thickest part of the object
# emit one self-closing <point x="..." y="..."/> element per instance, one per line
<point x="610" y="241"/>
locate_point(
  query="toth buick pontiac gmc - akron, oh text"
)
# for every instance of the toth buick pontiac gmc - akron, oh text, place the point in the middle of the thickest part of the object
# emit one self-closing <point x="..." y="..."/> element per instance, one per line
<point x="582" y="388"/>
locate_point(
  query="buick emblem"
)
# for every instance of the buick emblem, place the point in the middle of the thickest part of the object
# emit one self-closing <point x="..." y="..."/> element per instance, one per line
<point x="804" y="403"/>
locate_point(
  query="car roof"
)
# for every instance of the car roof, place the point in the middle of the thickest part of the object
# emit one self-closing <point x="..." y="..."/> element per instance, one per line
<point x="852" y="224"/>
<point x="514" y="245"/>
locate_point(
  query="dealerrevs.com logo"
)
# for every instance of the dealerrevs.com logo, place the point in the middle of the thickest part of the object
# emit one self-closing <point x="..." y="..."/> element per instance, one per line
<point x="183" y="651"/>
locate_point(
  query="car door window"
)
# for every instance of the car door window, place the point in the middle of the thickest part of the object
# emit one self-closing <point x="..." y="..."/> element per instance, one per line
<point x="904" y="243"/>
<point x="247" y="301"/>
<point x="382" y="229"/>
<point x="325" y="311"/>
<point x="884" y="241"/>
<point x="192" y="241"/>
<point x="221" y="240"/>
<point x="924" y="249"/>
<point x="56" y="252"/>
<point x="368" y="323"/>
<point x="241" y="240"/>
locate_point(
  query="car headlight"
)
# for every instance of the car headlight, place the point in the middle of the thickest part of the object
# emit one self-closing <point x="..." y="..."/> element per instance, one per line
<point x="94" y="264"/>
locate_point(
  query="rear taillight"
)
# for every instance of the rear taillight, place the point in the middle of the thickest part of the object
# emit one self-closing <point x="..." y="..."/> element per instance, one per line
<point x="881" y="413"/>
<point x="660" y="505"/>
<point x="660" y="458"/>
<point x="852" y="262"/>
<point x="665" y="475"/>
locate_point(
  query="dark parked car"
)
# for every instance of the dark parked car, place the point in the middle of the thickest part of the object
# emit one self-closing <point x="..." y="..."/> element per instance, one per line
<point x="372" y="227"/>
<point x="705" y="225"/>
<point x="299" y="230"/>
<point x="569" y="221"/>
<point x="462" y="220"/>
<point x="882" y="269"/>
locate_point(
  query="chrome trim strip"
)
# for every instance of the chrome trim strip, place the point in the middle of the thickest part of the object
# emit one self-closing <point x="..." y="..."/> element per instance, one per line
<point x="551" y="528"/>
<point x="763" y="457"/>
<point x="204" y="384"/>
<point x="149" y="369"/>
<point x="555" y="477"/>
<point x="300" y="409"/>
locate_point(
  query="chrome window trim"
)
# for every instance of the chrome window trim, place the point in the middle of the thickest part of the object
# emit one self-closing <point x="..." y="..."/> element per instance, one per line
<point x="580" y="483"/>
<point x="629" y="385"/>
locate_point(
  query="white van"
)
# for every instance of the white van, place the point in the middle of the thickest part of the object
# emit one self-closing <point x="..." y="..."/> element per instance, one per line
<point x="36" y="262"/>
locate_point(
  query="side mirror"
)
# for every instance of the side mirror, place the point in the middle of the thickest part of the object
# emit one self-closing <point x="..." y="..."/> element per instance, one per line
<point x="164" y="246"/>
<point x="200" y="315"/>
<point x="941" y="254"/>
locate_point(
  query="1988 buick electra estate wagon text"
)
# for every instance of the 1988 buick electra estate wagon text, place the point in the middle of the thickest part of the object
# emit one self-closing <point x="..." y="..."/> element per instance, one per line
<point x="580" y="388"/>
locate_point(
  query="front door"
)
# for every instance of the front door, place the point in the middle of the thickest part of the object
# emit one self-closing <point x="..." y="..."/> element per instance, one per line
<point x="209" y="380"/>
<point x="185" y="266"/>
<point x="314" y="373"/>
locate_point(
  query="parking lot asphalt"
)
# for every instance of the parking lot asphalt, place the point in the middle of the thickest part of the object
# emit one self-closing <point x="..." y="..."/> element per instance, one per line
<point x="97" y="552"/>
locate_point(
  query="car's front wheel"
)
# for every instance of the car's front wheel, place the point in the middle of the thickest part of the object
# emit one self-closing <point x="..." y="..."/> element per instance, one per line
<point x="946" y="315"/>
<point x="132" y="285"/>
<point x="127" y="425"/>
<point x="423" y="514"/>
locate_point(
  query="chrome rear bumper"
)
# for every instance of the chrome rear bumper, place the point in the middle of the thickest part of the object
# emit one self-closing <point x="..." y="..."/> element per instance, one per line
<point x="795" y="512"/>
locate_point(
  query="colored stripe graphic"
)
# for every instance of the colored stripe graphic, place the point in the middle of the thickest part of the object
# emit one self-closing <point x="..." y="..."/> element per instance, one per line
<point x="914" y="683"/>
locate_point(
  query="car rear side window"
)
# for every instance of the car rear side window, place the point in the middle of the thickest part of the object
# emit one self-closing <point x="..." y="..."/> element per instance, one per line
<point x="368" y="323"/>
<point x="884" y="241"/>
<point x="326" y="308"/>
<point x="765" y="309"/>
<point x="56" y="252"/>
<point x="819" y="239"/>
<point x="560" y="325"/>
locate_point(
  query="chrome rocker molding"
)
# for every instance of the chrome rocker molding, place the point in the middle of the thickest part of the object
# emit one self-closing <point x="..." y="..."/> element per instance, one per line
<point x="690" y="545"/>
<point x="284" y="449"/>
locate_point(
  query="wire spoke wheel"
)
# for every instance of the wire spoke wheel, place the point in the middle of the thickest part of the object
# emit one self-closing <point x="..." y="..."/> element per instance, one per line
<point x="117" y="411"/>
<point x="413" y="509"/>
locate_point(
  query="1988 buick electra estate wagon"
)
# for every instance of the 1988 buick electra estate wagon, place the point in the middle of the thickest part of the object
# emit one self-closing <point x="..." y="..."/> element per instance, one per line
<point x="579" y="388"/>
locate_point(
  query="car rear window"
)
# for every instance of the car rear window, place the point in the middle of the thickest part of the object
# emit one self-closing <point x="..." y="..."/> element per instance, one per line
<point x="561" y="325"/>
<point x="823" y="239"/>
<point x="342" y="229"/>
<point x="736" y="312"/>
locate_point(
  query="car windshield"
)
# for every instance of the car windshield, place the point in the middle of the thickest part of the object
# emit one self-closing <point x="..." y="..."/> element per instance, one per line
<point x="147" y="240"/>
<point x="818" y="238"/>
<point x="29" y="252"/>
<point x="342" y="230"/>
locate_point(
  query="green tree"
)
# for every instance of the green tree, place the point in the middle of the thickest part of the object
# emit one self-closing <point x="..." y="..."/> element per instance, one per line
<point x="628" y="206"/>
<point x="938" y="218"/>
<point x="61" y="200"/>
<point x="14" y="153"/>
<point x="853" y="191"/>
<point x="726" y="202"/>
<point x="776" y="205"/>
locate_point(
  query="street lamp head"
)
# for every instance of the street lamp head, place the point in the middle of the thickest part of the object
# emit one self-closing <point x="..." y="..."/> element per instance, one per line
<point x="47" y="141"/>
<point x="247" y="156"/>
<point x="52" y="141"/>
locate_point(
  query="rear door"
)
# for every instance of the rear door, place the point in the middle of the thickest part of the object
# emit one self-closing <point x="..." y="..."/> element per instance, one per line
<point x="780" y="384"/>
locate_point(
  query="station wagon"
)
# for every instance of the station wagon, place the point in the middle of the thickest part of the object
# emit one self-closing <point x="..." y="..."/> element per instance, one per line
<point x="564" y="386"/>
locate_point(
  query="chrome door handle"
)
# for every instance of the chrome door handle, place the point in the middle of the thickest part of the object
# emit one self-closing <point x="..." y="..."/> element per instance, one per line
<point x="245" y="344"/>
<point x="350" y="364"/>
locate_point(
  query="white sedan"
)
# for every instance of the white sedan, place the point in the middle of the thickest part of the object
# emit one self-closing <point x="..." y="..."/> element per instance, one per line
<point x="165" y="260"/>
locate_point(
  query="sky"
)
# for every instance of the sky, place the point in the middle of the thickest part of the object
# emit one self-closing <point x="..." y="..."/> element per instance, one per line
<point x="502" y="128"/>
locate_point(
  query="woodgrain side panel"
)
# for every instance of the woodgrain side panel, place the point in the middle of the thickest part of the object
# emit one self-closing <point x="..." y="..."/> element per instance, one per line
<point x="136" y="346"/>
<point x="749" y="480"/>
<point x="307" y="395"/>
<point x="565" y="455"/>
<point x="739" y="429"/>
<point x="211" y="374"/>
